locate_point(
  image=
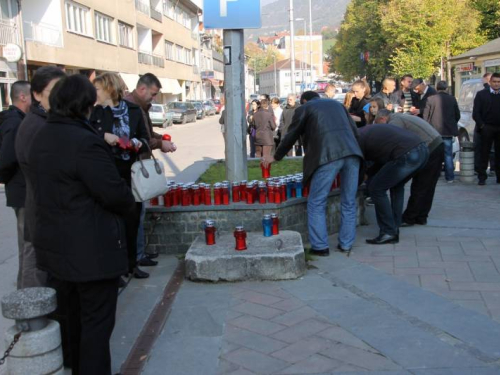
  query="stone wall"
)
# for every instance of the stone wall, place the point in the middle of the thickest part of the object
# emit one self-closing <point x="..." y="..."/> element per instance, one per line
<point x="173" y="230"/>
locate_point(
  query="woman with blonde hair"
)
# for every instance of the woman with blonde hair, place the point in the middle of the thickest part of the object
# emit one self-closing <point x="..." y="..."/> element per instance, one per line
<point x="122" y="126"/>
<point x="361" y="91"/>
<point x="348" y="99"/>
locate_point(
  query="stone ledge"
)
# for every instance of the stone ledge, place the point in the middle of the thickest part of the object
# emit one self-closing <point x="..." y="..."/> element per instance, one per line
<point x="267" y="258"/>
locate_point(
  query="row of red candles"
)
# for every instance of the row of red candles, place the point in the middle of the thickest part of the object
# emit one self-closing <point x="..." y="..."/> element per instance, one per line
<point x="196" y="195"/>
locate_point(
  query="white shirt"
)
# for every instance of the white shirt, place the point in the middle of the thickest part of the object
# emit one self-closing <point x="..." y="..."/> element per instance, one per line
<point x="425" y="92"/>
<point x="277" y="115"/>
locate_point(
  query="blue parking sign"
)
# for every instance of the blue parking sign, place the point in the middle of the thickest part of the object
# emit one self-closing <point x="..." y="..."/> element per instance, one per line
<point x="232" y="14"/>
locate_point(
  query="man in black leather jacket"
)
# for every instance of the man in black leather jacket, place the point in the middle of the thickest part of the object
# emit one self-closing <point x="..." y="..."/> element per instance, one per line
<point x="329" y="137"/>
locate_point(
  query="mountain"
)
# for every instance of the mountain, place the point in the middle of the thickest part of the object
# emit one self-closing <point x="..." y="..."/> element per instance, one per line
<point x="275" y="15"/>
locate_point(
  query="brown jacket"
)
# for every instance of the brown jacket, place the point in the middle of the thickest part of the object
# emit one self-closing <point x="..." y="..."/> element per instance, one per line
<point x="265" y="126"/>
<point x="154" y="138"/>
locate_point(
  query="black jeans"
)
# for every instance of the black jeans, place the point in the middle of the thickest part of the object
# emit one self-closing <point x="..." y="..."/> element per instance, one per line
<point x="393" y="176"/>
<point x="489" y="135"/>
<point x="477" y="153"/>
<point x="252" y="146"/>
<point x="423" y="187"/>
<point x="86" y="313"/>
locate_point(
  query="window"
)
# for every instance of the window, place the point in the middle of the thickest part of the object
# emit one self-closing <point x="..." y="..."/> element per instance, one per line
<point x="187" y="52"/>
<point x="179" y="57"/>
<point x="186" y="20"/>
<point x="178" y="14"/>
<point x="169" y="50"/>
<point x="78" y="18"/>
<point x="125" y="35"/>
<point x="103" y="28"/>
<point x="169" y="8"/>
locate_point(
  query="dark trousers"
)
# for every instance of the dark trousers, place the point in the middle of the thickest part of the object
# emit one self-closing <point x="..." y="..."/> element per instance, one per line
<point x="489" y="135"/>
<point x="86" y="314"/>
<point x="423" y="187"/>
<point x="132" y="221"/>
<point x="252" y="146"/>
<point x="393" y="176"/>
<point x="477" y="153"/>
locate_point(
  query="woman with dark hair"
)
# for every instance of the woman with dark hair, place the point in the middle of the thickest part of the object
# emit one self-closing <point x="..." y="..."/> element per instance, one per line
<point x="79" y="233"/>
<point x="254" y="107"/>
<point x="122" y="126"/>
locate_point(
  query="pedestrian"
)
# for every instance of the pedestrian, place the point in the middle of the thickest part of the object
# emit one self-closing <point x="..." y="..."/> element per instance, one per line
<point x="330" y="91"/>
<point x="396" y="155"/>
<point x="121" y="124"/>
<point x="423" y="185"/>
<point x="42" y="84"/>
<point x="423" y="92"/>
<point x="251" y="129"/>
<point x="268" y="98"/>
<point x="361" y="92"/>
<point x="286" y="121"/>
<point x="477" y="137"/>
<point x="374" y="105"/>
<point x="387" y="94"/>
<point x="15" y="184"/>
<point x="407" y="98"/>
<point x="486" y="80"/>
<point x="79" y="237"/>
<point x="486" y="114"/>
<point x="329" y="136"/>
<point x="349" y="96"/>
<point x="277" y="111"/>
<point x="146" y="90"/>
<point x="264" y="129"/>
<point x="442" y="112"/>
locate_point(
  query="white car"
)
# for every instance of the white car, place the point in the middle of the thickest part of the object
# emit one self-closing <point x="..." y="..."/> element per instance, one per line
<point x="160" y="115"/>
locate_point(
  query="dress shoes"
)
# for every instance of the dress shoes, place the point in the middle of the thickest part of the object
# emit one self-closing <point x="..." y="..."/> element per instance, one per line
<point x="140" y="274"/>
<point x="122" y="283"/>
<point x="152" y="255"/>
<point x="421" y="221"/>
<point x="320" y="253"/>
<point x="343" y="250"/>
<point x="383" y="239"/>
<point x="147" y="262"/>
<point x="405" y="224"/>
<point x="481" y="183"/>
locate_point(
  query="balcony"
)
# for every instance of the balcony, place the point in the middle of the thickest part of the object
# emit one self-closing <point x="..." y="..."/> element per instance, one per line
<point x="8" y="33"/>
<point x="194" y="35"/>
<point x="196" y="69"/>
<point x="156" y="15"/>
<point x="142" y="7"/>
<point x="150" y="59"/>
<point x="43" y="33"/>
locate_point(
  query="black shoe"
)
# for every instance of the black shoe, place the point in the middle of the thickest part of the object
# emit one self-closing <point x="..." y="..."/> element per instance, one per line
<point x="383" y="239"/>
<point x="404" y="224"/>
<point x="369" y="201"/>
<point x="122" y="283"/>
<point x="320" y="253"/>
<point x="147" y="262"/>
<point x="140" y="274"/>
<point x="421" y="222"/>
<point x="342" y="250"/>
<point x="152" y="255"/>
<point x="481" y="183"/>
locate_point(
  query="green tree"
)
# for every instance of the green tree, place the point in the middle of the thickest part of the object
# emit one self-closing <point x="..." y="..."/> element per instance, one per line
<point x="260" y="59"/>
<point x="489" y="11"/>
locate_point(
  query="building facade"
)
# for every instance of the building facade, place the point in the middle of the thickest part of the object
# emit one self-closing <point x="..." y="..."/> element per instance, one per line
<point x="276" y="78"/>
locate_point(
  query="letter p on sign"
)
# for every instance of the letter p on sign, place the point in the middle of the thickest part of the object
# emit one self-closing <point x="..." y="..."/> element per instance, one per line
<point x="223" y="7"/>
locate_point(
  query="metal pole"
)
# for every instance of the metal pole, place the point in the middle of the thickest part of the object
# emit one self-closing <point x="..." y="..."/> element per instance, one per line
<point x="311" y="41"/>
<point x="255" y="76"/>
<point x="235" y="122"/>
<point x="275" y="80"/>
<point x="304" y="54"/>
<point x="292" y="50"/>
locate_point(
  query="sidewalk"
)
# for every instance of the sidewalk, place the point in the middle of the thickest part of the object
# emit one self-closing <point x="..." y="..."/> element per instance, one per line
<point x="428" y="305"/>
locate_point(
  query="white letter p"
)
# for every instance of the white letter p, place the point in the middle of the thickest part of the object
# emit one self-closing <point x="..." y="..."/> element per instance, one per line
<point x="223" y="7"/>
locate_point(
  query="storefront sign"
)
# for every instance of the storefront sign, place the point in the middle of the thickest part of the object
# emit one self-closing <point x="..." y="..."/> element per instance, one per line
<point x="489" y="63"/>
<point x="207" y="74"/>
<point x="12" y="53"/>
<point x="465" y="67"/>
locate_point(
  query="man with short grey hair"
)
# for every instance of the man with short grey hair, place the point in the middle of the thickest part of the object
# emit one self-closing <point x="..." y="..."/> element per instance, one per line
<point x="286" y="120"/>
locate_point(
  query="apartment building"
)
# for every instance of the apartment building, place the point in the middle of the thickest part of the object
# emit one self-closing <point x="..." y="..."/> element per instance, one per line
<point x="276" y="78"/>
<point x="129" y="37"/>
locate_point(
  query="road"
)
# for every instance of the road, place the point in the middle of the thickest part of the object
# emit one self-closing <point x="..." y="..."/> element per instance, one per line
<point x="198" y="144"/>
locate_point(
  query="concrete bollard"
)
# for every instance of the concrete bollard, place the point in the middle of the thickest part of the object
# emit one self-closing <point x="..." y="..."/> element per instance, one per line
<point x="467" y="163"/>
<point x="38" y="351"/>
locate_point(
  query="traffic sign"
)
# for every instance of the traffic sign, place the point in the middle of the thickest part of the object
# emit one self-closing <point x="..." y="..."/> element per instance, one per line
<point x="232" y="14"/>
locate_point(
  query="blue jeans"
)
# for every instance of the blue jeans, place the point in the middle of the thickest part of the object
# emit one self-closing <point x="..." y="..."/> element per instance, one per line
<point x="393" y="176"/>
<point x="449" y="165"/>
<point x="321" y="182"/>
<point x="141" y="243"/>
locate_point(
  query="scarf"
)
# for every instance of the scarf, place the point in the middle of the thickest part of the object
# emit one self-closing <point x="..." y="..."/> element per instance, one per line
<point x="121" y="127"/>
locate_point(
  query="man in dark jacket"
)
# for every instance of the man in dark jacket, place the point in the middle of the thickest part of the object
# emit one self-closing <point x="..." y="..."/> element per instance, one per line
<point x="286" y="120"/>
<point x="423" y="185"/>
<point x="329" y="137"/>
<point x="486" y="114"/>
<point x="423" y="92"/>
<point x="12" y="176"/>
<point x="442" y="112"/>
<point x="396" y="155"/>
<point x="477" y="137"/>
<point x="387" y="93"/>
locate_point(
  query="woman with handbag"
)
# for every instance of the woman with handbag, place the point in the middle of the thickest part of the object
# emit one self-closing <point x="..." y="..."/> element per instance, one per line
<point x="251" y="130"/>
<point x="121" y="123"/>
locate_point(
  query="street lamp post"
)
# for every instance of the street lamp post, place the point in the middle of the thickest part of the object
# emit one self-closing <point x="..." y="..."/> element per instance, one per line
<point x="292" y="50"/>
<point x="303" y="60"/>
<point x="275" y="79"/>
<point x="311" y="42"/>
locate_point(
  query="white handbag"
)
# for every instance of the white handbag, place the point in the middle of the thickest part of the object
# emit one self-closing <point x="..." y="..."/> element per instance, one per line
<point x="148" y="178"/>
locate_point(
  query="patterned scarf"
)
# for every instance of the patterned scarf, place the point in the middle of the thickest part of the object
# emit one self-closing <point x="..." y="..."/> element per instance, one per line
<point x="121" y="127"/>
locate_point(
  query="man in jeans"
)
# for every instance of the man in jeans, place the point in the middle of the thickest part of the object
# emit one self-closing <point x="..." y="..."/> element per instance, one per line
<point x="442" y="112"/>
<point x="396" y="154"/>
<point x="329" y="137"/>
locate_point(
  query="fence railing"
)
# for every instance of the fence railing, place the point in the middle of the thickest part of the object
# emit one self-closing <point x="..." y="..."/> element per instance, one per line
<point x="8" y="33"/>
<point x="150" y="59"/>
<point x="43" y="33"/>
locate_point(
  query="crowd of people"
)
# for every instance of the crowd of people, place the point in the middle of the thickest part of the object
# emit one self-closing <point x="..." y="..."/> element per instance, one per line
<point x="67" y="146"/>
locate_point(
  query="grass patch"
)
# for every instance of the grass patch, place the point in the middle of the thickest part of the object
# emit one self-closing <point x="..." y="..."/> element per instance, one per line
<point x="217" y="172"/>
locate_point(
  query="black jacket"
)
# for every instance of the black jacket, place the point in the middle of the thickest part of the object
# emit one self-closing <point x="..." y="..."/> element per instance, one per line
<point x="286" y="118"/>
<point x="420" y="103"/>
<point x="33" y="122"/>
<point x="79" y="196"/>
<point x="356" y="109"/>
<point x="483" y="109"/>
<point x="327" y="131"/>
<point x="442" y="112"/>
<point x="10" y="172"/>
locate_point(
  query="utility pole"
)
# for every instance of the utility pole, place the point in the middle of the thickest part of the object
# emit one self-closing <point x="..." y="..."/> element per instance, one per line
<point x="311" y="42"/>
<point x="292" y="50"/>
<point x="275" y="78"/>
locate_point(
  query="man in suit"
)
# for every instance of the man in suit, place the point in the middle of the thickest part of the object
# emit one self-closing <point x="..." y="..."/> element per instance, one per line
<point x="477" y="136"/>
<point x="486" y="114"/>
<point x="423" y="92"/>
<point x="442" y="112"/>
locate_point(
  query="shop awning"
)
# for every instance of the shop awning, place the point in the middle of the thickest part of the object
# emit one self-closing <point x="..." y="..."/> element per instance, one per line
<point x="130" y="80"/>
<point x="170" y="86"/>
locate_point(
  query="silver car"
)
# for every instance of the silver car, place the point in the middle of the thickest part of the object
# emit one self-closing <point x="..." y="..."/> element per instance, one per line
<point x="160" y="115"/>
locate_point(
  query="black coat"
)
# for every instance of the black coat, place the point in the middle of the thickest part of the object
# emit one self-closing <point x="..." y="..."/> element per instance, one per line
<point x="328" y="133"/>
<point x="356" y="109"/>
<point x="442" y="112"/>
<point x="79" y="196"/>
<point x="10" y="172"/>
<point x="420" y="103"/>
<point x="483" y="111"/>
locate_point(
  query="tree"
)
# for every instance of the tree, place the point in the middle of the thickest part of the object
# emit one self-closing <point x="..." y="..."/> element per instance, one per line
<point x="260" y="59"/>
<point x="489" y="13"/>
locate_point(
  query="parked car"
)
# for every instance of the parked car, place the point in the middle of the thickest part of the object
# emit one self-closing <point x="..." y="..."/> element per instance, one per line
<point x="200" y="110"/>
<point x="218" y="105"/>
<point x="160" y="115"/>
<point x="466" y="97"/>
<point x="183" y="112"/>
<point x="209" y="107"/>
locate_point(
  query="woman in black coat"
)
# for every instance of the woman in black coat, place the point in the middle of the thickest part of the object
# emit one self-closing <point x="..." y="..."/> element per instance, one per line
<point x="79" y="238"/>
<point x="361" y="91"/>
<point x="122" y="126"/>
